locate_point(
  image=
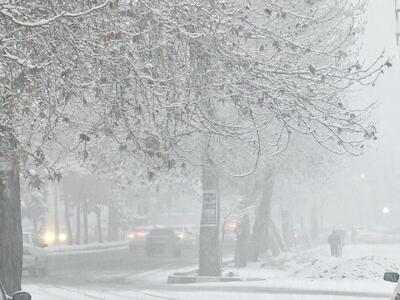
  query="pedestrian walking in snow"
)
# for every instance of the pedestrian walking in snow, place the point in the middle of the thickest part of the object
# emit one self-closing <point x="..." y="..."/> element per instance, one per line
<point x="335" y="242"/>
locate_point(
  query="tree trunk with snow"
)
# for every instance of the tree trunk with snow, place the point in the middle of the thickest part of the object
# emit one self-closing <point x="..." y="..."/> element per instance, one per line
<point x="209" y="251"/>
<point x="10" y="218"/>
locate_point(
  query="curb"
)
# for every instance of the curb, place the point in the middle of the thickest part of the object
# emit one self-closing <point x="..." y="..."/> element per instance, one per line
<point x="194" y="272"/>
<point x="185" y="279"/>
<point x="192" y="276"/>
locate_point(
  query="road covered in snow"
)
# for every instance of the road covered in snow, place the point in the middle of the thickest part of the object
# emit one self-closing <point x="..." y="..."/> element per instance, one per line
<point x="68" y="293"/>
<point x="309" y="275"/>
<point x="109" y="266"/>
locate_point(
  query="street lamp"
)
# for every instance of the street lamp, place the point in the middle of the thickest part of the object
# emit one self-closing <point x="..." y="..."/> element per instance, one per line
<point x="363" y="176"/>
<point x="386" y="210"/>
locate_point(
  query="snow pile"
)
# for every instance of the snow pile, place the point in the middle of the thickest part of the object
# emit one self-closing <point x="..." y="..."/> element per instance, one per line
<point x="367" y="267"/>
<point x="359" y="262"/>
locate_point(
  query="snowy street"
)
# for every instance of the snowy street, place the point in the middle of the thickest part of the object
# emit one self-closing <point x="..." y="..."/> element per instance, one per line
<point x="310" y="275"/>
<point x="111" y="266"/>
<point x="199" y="150"/>
<point x="43" y="292"/>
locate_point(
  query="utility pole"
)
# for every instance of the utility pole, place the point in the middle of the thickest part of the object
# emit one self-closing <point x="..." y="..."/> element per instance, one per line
<point x="209" y="249"/>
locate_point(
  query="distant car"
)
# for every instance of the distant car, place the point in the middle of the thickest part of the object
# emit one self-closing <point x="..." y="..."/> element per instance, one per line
<point x="229" y="233"/>
<point x="188" y="236"/>
<point x="168" y="241"/>
<point x="137" y="238"/>
<point x="15" y="296"/>
<point x="393" y="277"/>
<point x="35" y="259"/>
<point x="50" y="238"/>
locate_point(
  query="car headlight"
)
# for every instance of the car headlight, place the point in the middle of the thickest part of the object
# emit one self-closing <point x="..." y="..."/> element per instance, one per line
<point x="232" y="226"/>
<point x="62" y="237"/>
<point x="49" y="238"/>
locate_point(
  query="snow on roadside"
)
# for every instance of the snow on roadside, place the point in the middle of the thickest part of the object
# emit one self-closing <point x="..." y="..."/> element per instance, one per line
<point x="209" y="295"/>
<point x="359" y="262"/>
<point x="46" y="292"/>
<point x="360" y="269"/>
<point x="62" y="249"/>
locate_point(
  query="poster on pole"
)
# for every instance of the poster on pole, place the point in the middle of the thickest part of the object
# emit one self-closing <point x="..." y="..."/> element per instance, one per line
<point x="209" y="216"/>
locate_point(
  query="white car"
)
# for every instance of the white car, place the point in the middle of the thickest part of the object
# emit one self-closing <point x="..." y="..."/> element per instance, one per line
<point x="393" y="277"/>
<point x="187" y="236"/>
<point x="35" y="259"/>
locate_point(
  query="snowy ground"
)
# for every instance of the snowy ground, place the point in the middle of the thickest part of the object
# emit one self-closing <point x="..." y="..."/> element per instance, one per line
<point x="359" y="263"/>
<point x="68" y="293"/>
<point x="311" y="275"/>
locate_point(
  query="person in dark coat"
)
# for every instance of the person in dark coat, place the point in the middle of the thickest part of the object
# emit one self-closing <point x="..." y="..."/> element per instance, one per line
<point x="335" y="242"/>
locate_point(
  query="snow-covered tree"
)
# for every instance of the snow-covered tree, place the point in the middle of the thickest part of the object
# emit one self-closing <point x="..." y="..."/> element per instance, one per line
<point x="169" y="81"/>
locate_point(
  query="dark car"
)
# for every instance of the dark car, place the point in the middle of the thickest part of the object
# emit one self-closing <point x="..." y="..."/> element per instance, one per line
<point x="165" y="241"/>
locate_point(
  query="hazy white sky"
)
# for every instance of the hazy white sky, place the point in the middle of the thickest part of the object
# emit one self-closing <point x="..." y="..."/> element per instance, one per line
<point x="380" y="35"/>
<point x="381" y="164"/>
<point x="380" y="31"/>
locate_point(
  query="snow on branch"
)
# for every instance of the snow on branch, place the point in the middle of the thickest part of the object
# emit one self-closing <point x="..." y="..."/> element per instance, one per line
<point x="7" y="11"/>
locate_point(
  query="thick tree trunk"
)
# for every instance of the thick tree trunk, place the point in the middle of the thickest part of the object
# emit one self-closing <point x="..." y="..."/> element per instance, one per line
<point x="85" y="223"/>
<point x="78" y="225"/>
<point x="260" y="235"/>
<point x="209" y="251"/>
<point x="10" y="224"/>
